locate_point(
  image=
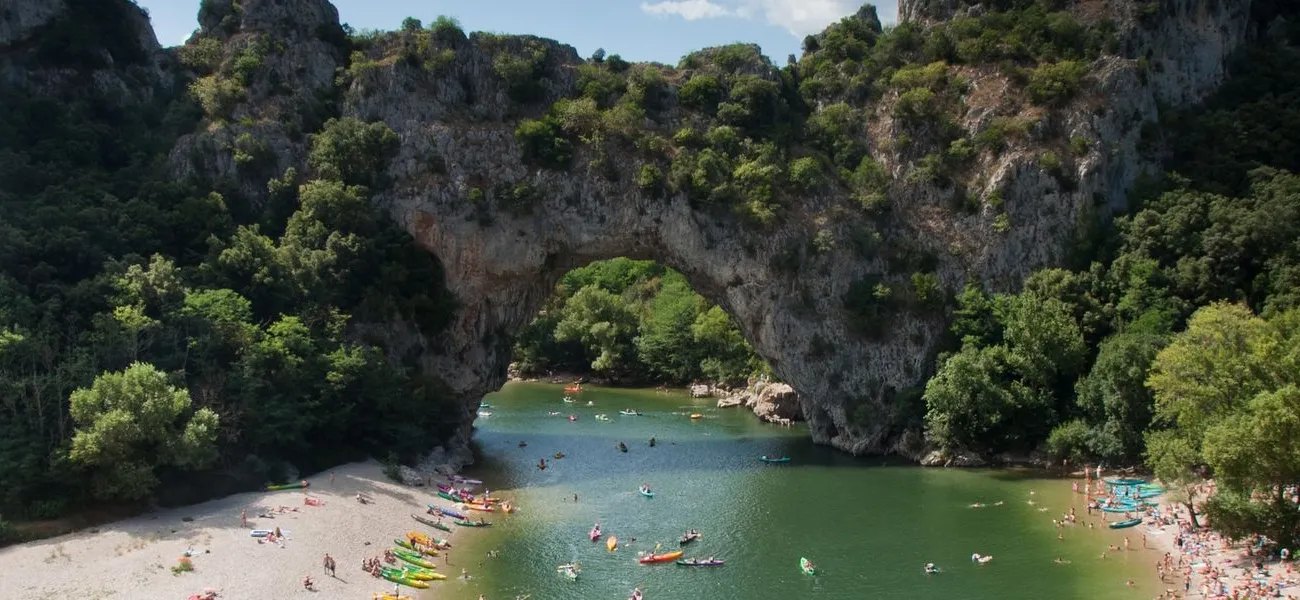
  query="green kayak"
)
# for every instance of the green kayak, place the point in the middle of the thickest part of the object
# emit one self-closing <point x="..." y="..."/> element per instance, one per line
<point x="287" y="486"/>
<point x="401" y="577"/>
<point x="412" y="557"/>
<point x="431" y="523"/>
<point x="472" y="523"/>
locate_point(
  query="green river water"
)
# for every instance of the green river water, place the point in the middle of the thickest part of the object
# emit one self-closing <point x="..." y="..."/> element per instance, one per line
<point x="868" y="525"/>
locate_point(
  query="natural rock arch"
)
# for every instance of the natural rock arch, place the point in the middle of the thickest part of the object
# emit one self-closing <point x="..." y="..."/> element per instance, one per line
<point x="505" y="231"/>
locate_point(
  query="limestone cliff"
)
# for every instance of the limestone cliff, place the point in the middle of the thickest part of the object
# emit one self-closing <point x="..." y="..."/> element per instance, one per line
<point x="506" y="228"/>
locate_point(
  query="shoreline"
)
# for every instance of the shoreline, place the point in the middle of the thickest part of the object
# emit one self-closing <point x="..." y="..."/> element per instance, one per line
<point x="132" y="558"/>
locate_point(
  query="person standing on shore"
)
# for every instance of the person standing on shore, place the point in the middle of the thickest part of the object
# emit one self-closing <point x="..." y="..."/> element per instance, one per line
<point x="243" y="517"/>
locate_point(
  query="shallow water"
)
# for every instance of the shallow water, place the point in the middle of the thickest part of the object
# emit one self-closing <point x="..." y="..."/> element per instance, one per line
<point x="868" y="525"/>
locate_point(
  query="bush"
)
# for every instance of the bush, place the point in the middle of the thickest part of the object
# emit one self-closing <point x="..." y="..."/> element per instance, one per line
<point x="203" y="54"/>
<point x="806" y="174"/>
<point x="701" y="92"/>
<point x="353" y="151"/>
<point x="1079" y="145"/>
<point x="216" y="95"/>
<point x="543" y="145"/>
<point x="870" y="183"/>
<point x="650" y="179"/>
<point x="1054" y="84"/>
<point x="447" y="30"/>
<point x="915" y="105"/>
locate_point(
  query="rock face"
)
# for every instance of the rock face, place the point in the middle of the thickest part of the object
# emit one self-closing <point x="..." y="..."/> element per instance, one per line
<point x="459" y="159"/>
<point x="455" y="186"/>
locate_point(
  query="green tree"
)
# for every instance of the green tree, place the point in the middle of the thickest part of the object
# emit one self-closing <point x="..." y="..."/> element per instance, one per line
<point x="353" y="151"/>
<point x="604" y="325"/>
<point x="132" y="422"/>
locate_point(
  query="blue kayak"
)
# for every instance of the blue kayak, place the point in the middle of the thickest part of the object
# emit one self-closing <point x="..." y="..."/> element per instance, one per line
<point x="1122" y="508"/>
<point x="768" y="459"/>
<point x="1124" y="524"/>
<point x="447" y="512"/>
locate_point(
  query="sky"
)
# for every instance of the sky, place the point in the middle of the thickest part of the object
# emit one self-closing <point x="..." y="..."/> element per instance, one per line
<point x="638" y="30"/>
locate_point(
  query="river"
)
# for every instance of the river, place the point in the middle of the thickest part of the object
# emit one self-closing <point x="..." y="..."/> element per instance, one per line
<point x="869" y="525"/>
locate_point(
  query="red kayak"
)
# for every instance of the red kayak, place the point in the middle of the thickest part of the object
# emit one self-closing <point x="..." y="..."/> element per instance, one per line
<point x="595" y="533"/>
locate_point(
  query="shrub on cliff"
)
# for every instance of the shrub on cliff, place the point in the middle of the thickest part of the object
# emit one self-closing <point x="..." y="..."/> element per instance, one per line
<point x="543" y="143"/>
<point x="353" y="151"/>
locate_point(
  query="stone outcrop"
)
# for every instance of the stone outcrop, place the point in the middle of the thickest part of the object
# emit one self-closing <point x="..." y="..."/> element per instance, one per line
<point x="455" y="186"/>
<point x="771" y="402"/>
<point x="777" y="402"/>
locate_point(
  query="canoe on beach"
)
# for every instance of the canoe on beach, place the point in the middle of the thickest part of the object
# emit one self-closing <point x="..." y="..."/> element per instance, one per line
<point x="464" y="523"/>
<point x="447" y="512"/>
<point x="430" y="523"/>
<point x="1124" y="524"/>
<point x="413" y="557"/>
<point x="287" y="486"/>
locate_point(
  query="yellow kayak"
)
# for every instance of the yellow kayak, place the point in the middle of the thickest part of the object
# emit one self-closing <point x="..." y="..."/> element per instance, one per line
<point x="611" y="543"/>
<point x="409" y="546"/>
<point x="388" y="596"/>
<point x="421" y="574"/>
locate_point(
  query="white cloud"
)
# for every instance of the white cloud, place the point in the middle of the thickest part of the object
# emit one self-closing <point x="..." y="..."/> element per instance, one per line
<point x="802" y="17"/>
<point x="799" y="17"/>
<point x="686" y="9"/>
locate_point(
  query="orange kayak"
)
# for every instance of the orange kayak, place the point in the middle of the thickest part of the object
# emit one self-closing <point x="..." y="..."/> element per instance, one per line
<point x="658" y="558"/>
<point x="480" y="507"/>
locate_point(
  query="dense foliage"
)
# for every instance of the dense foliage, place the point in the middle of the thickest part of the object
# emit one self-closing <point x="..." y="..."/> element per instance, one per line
<point x="634" y="321"/>
<point x="155" y="341"/>
<point x="1153" y="351"/>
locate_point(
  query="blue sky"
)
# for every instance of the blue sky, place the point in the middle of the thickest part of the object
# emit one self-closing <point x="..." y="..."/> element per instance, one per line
<point x="638" y="30"/>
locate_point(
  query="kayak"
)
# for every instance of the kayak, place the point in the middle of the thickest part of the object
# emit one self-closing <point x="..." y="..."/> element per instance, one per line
<point x="463" y="523"/>
<point x="696" y="562"/>
<point x="447" y="512"/>
<point x="260" y="532"/>
<point x="1122" y="508"/>
<point x="479" y="507"/>
<point x="452" y="497"/>
<point x="1125" y="524"/>
<point x="630" y="413"/>
<point x="649" y="559"/>
<point x="287" y="486"/>
<point x="388" y="596"/>
<point x="433" y="524"/>
<point x="697" y="416"/>
<point x="409" y="546"/>
<point x="767" y="459"/>
<point x="688" y="538"/>
<point x="400" y="577"/>
<point x="611" y="543"/>
<point x="594" y="534"/>
<point x="647" y="493"/>
<point x="412" y="557"/>
<point x="807" y="566"/>
<point x="422" y="574"/>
